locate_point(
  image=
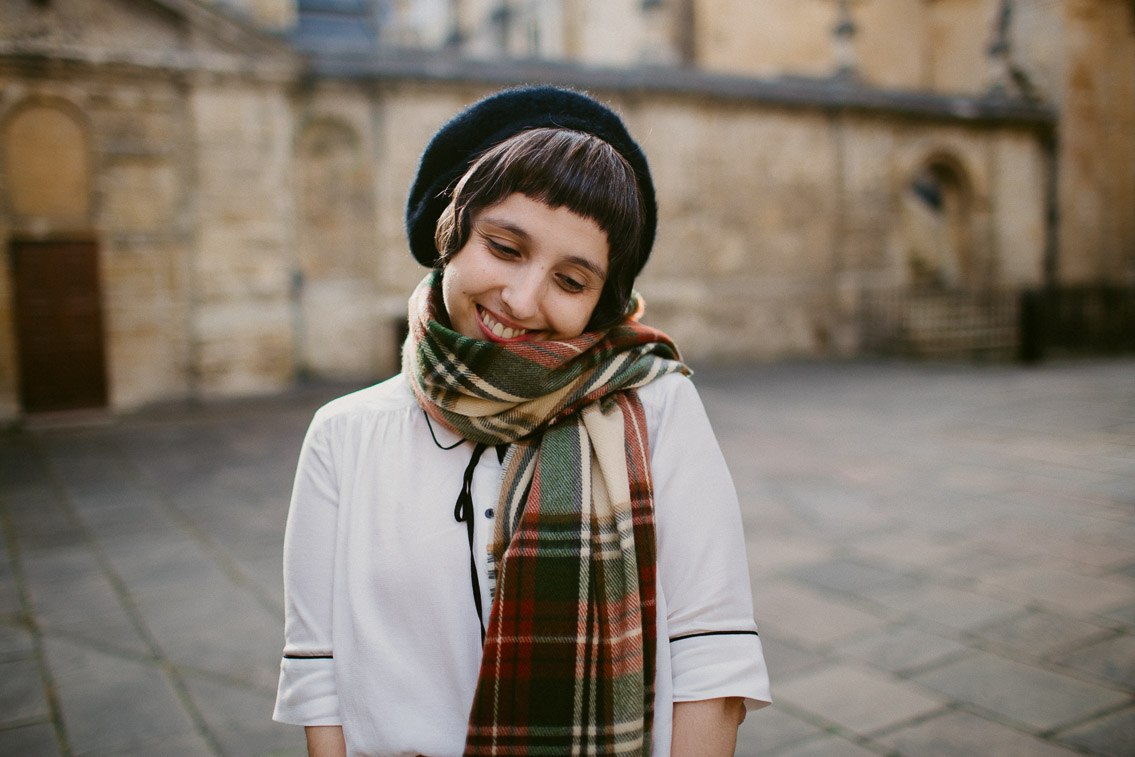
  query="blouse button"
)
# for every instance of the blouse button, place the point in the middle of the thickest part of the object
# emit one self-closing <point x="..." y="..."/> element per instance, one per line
<point x="489" y="513"/>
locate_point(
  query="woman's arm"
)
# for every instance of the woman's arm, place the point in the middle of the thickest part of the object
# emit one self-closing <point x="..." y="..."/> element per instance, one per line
<point x="325" y="741"/>
<point x="707" y="728"/>
<point x="307" y="693"/>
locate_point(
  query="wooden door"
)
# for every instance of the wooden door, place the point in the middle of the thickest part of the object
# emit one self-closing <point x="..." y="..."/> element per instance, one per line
<point x="59" y="333"/>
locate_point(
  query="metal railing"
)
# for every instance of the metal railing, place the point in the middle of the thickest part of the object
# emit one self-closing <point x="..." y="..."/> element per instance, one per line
<point x="1077" y="320"/>
<point x="998" y="325"/>
<point x="940" y="324"/>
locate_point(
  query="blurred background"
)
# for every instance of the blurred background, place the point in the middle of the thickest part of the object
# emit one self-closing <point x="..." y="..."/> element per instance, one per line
<point x="205" y="199"/>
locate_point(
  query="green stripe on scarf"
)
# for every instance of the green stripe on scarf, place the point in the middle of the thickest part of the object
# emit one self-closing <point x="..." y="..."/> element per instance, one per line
<point x="569" y="656"/>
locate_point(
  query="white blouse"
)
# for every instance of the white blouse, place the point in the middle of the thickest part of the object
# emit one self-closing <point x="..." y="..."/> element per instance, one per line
<point x="381" y="631"/>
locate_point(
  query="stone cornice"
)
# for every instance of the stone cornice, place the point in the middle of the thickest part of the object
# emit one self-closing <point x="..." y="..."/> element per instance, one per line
<point x="212" y="42"/>
<point x="837" y="94"/>
<point x="225" y="26"/>
<point x="280" y="67"/>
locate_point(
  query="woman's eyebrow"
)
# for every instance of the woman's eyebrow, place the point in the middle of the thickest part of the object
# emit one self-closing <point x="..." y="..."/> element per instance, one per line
<point x="586" y="264"/>
<point x="504" y="226"/>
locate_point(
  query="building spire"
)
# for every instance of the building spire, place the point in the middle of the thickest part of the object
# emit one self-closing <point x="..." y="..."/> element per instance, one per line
<point x="843" y="40"/>
<point x="1007" y="79"/>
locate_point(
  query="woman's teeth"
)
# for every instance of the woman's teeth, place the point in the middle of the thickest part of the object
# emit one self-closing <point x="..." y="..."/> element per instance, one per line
<point x="499" y="329"/>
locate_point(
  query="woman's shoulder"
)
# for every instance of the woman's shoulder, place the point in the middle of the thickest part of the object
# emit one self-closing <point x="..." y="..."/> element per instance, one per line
<point x="671" y="388"/>
<point x="392" y="396"/>
<point x="670" y="402"/>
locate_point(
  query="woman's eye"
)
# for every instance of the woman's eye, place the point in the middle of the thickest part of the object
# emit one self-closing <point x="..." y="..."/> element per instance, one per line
<point x="571" y="285"/>
<point x="502" y="250"/>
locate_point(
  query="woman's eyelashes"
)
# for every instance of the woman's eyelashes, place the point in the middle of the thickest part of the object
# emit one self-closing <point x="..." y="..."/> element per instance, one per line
<point x="570" y="285"/>
<point x="502" y="249"/>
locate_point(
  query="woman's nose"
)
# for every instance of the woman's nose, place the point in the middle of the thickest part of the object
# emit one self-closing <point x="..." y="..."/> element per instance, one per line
<point x="521" y="296"/>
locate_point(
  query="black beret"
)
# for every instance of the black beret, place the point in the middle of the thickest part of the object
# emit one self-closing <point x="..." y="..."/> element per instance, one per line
<point x="490" y="122"/>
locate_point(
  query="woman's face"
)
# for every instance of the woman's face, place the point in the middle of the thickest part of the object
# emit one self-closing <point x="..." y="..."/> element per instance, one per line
<point x="528" y="273"/>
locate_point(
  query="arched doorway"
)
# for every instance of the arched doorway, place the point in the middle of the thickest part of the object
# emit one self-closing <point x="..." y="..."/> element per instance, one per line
<point x="940" y="252"/>
<point x="336" y="252"/>
<point x="947" y="303"/>
<point x="57" y="303"/>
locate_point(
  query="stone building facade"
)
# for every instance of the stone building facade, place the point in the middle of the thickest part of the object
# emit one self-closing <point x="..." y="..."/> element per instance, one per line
<point x="205" y="199"/>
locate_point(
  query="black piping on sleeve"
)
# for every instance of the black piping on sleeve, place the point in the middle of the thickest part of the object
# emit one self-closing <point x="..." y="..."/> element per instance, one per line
<point x="683" y="637"/>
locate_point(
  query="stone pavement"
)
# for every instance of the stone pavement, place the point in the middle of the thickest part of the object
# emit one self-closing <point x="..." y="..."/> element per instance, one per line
<point x="943" y="562"/>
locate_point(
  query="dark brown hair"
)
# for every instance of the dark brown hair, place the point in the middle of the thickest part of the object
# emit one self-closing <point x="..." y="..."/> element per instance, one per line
<point x="561" y="168"/>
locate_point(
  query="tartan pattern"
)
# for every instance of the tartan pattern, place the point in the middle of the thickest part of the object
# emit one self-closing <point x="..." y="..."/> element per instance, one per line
<point x="568" y="662"/>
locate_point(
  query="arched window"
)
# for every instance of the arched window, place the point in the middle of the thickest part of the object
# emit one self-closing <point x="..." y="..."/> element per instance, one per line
<point x="55" y="274"/>
<point x="336" y="250"/>
<point x="335" y="207"/>
<point x="47" y="163"/>
<point x="939" y="238"/>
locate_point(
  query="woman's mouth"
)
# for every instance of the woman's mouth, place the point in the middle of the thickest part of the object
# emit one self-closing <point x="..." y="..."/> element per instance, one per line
<point x="497" y="329"/>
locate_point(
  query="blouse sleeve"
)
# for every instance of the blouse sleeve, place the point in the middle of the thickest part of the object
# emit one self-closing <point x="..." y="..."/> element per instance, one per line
<point x="307" y="694"/>
<point x="715" y="650"/>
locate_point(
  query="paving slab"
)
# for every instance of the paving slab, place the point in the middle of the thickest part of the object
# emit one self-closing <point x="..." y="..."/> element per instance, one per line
<point x="1066" y="590"/>
<point x="178" y="745"/>
<point x="909" y="550"/>
<point x="798" y="614"/>
<point x="241" y="718"/>
<point x="217" y="628"/>
<point x="10" y="602"/>
<point x="16" y="641"/>
<point x="830" y="506"/>
<point x="172" y="564"/>
<point x="39" y="521"/>
<point x="853" y="577"/>
<point x="829" y="746"/>
<point x="786" y="659"/>
<point x="35" y="740"/>
<point x="1111" y="736"/>
<point x="858" y="698"/>
<point x="1111" y="659"/>
<point x="22" y="697"/>
<point x="949" y="606"/>
<point x="961" y="734"/>
<point x="771" y="556"/>
<point x="72" y="595"/>
<point x="1124" y="614"/>
<point x="1040" y="633"/>
<point x="900" y="649"/>
<point x="112" y="704"/>
<point x="1032" y="696"/>
<point x="772" y="729"/>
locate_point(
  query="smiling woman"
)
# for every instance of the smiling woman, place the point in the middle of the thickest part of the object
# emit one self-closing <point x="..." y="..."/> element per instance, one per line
<point x="588" y="592"/>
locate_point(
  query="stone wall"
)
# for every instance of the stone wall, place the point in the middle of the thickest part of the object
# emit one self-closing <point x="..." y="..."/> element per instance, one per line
<point x="244" y="246"/>
<point x="249" y="213"/>
<point x="1076" y="55"/>
<point x="183" y="125"/>
<point x="133" y="130"/>
<point x="772" y="218"/>
<point x="1096" y="159"/>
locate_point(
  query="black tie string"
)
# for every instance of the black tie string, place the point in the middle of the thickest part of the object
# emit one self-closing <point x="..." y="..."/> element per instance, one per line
<point x="463" y="513"/>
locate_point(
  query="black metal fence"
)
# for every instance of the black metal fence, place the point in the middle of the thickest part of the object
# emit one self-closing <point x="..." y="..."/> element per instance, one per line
<point x="1084" y="320"/>
<point x="939" y="324"/>
<point x="998" y="325"/>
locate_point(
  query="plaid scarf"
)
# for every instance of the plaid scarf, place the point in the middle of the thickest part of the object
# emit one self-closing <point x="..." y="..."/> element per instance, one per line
<point x="569" y="654"/>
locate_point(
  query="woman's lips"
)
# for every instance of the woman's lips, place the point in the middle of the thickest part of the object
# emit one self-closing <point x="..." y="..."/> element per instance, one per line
<point x="500" y="331"/>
